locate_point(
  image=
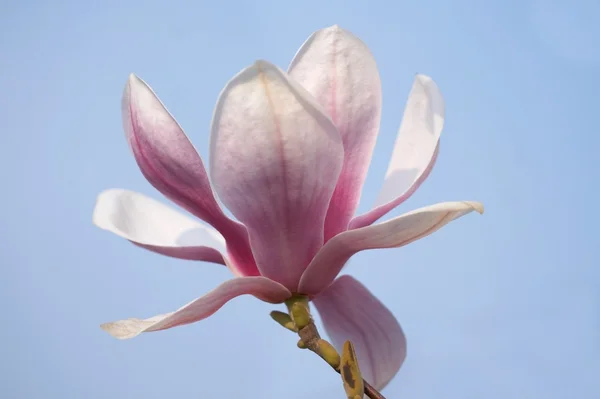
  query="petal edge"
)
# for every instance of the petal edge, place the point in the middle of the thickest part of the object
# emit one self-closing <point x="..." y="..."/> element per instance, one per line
<point x="393" y="233"/>
<point x="154" y="226"/>
<point x="201" y="308"/>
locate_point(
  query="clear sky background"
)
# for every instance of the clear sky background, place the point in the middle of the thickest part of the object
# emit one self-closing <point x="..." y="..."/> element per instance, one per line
<point x="504" y="305"/>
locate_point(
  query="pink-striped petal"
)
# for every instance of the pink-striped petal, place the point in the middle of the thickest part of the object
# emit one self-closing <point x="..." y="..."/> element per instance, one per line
<point x="201" y="308"/>
<point x="170" y="162"/>
<point x="338" y="69"/>
<point x="415" y="151"/>
<point x="394" y="233"/>
<point x="157" y="227"/>
<point x="350" y="312"/>
<point x="275" y="159"/>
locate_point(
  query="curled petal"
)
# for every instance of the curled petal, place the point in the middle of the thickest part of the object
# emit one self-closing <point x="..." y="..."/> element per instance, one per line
<point x="338" y="69"/>
<point x="201" y="308"/>
<point x="275" y="159"/>
<point x="351" y="313"/>
<point x="415" y="151"/>
<point x="393" y="233"/>
<point x="170" y="162"/>
<point x="157" y="227"/>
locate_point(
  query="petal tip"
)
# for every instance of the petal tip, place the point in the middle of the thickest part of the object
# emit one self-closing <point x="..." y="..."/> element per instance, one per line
<point x="423" y="79"/>
<point x="117" y="330"/>
<point x="346" y="277"/>
<point x="256" y="68"/>
<point x="109" y="192"/>
<point x="477" y="206"/>
<point x="133" y="78"/>
<point x="134" y="82"/>
<point x="262" y="64"/>
<point x="98" y="209"/>
<point x="110" y="329"/>
<point x="102" y="206"/>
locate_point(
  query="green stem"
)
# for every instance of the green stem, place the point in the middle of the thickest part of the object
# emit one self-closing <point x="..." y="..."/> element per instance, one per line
<point x="309" y="335"/>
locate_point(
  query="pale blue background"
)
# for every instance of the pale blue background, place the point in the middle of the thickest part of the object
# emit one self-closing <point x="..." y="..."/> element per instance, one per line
<point x="500" y="306"/>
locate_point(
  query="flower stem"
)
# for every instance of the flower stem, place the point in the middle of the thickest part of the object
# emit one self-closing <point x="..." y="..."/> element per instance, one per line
<point x="372" y="392"/>
<point x="309" y="339"/>
<point x="312" y="335"/>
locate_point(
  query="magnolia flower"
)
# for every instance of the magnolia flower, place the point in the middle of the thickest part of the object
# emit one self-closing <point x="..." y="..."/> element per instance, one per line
<point x="289" y="153"/>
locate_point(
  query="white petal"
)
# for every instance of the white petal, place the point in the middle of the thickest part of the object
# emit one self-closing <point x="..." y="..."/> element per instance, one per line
<point x="415" y="150"/>
<point x="393" y="233"/>
<point x="201" y="308"/>
<point x="157" y="227"/>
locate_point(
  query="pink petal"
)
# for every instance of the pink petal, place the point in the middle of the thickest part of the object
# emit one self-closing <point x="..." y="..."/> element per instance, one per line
<point x="350" y="312"/>
<point x="170" y="162"/>
<point x="338" y="69"/>
<point x="275" y="159"/>
<point x="394" y="233"/>
<point x="201" y="308"/>
<point x="415" y="150"/>
<point x="154" y="226"/>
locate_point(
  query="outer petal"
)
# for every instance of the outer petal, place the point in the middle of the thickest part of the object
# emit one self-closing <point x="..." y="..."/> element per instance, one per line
<point x="415" y="150"/>
<point x="156" y="227"/>
<point x="394" y="233"/>
<point x="338" y="69"/>
<point x="170" y="162"/>
<point x="350" y="312"/>
<point x="201" y="308"/>
<point x="275" y="159"/>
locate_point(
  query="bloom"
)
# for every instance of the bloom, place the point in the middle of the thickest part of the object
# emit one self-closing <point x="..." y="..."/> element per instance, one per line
<point x="289" y="154"/>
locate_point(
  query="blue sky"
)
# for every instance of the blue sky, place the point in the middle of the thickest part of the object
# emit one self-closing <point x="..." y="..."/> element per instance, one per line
<point x="495" y="306"/>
